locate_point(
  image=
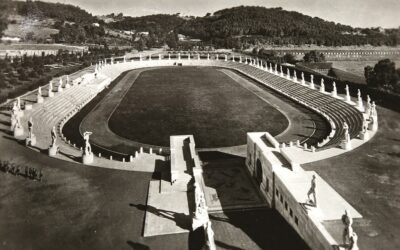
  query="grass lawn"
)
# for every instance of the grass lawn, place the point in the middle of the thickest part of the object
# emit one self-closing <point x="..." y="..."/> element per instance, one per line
<point x="192" y="100"/>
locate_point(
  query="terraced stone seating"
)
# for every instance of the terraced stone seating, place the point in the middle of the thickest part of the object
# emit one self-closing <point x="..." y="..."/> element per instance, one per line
<point x="337" y="110"/>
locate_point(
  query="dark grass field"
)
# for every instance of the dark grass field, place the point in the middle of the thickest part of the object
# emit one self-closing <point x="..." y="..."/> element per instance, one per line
<point x="192" y="100"/>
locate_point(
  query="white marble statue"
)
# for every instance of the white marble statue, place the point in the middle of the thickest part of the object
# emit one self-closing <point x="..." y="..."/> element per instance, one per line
<point x="322" y="88"/>
<point x="88" y="148"/>
<point x="53" y="136"/>
<point x="31" y="139"/>
<point x="360" y="104"/>
<point x="312" y="192"/>
<point x="209" y="233"/>
<point x="348" y="97"/>
<point x="40" y="91"/>
<point x="288" y="73"/>
<point x="373" y="109"/>
<point x="353" y="242"/>
<point x="348" y="230"/>
<point x="200" y="217"/>
<point x="334" y="90"/>
<point x="346" y="131"/>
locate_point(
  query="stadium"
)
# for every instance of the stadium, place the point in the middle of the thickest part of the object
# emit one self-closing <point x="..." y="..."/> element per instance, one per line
<point x="234" y="129"/>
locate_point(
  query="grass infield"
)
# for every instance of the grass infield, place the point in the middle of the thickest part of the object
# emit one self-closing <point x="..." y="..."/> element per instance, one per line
<point x="192" y="100"/>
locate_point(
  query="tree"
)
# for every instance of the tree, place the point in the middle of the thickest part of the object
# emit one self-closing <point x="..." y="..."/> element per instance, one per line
<point x="383" y="75"/>
<point x="4" y="12"/>
<point x="289" y="58"/>
<point x="313" y="57"/>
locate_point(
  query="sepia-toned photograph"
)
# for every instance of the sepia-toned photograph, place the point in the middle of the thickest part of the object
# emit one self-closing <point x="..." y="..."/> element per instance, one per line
<point x="199" y="125"/>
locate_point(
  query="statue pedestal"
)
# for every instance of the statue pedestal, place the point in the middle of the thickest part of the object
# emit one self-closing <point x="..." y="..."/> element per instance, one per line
<point x="20" y="113"/>
<point x="53" y="149"/>
<point x="67" y="86"/>
<point x="13" y="122"/>
<point x="360" y="106"/>
<point x="364" y="135"/>
<point x="373" y="125"/>
<point x="18" y="131"/>
<point x="87" y="158"/>
<point x="28" y="107"/>
<point x="346" y="145"/>
<point x="30" y="141"/>
<point x="59" y="89"/>
<point x="39" y="99"/>
<point x="51" y="94"/>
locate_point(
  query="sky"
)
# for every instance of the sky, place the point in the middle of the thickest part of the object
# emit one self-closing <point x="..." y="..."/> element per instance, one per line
<point x="357" y="13"/>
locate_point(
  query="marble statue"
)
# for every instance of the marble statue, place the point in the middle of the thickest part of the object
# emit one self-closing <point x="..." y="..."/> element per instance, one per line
<point x="40" y="91"/>
<point x="281" y="70"/>
<point x="18" y="129"/>
<point x="53" y="149"/>
<point x="373" y="109"/>
<point x="353" y="242"/>
<point x="53" y="136"/>
<point x="346" y="142"/>
<point x="31" y="139"/>
<point x="334" y="90"/>
<point x="19" y="103"/>
<point x="295" y="76"/>
<point x="312" y="192"/>
<point x="348" y="230"/>
<point x="348" y="98"/>
<point x="322" y="89"/>
<point x="86" y="137"/>
<point x="288" y="73"/>
<point x="312" y="82"/>
<point x="200" y="217"/>
<point x="302" y="78"/>
<point x="30" y="127"/>
<point x="209" y="233"/>
<point x="360" y="105"/>
<point x="87" y="156"/>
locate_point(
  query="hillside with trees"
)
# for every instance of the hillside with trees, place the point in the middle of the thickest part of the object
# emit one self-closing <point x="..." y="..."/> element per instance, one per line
<point x="4" y="11"/>
<point x="59" y="11"/>
<point x="254" y="25"/>
<point x="238" y="27"/>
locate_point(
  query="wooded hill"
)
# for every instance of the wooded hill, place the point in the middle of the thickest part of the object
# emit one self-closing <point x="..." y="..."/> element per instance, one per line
<point x="232" y="28"/>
